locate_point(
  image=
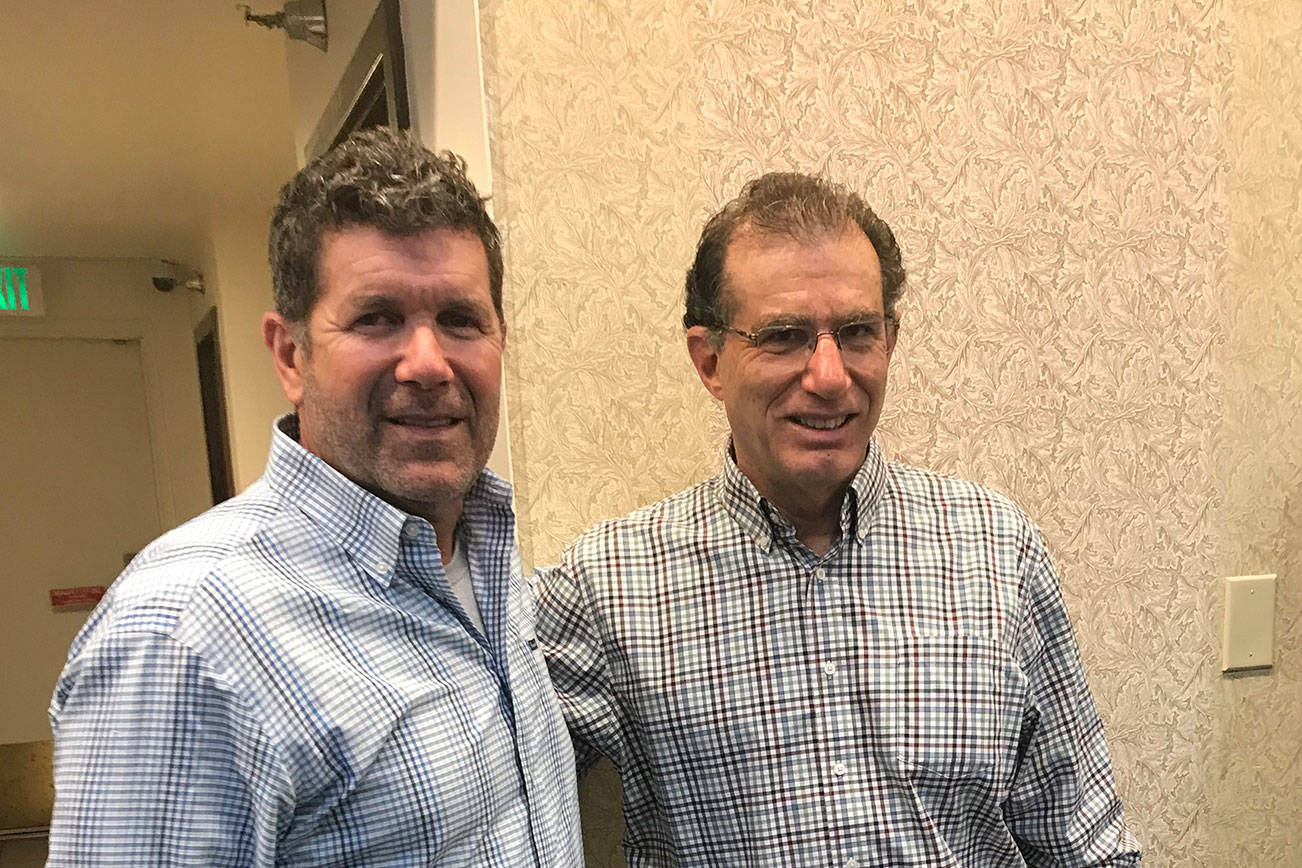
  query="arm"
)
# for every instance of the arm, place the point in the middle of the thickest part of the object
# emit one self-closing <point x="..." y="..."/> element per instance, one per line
<point x="582" y="661"/>
<point x="157" y="762"/>
<point x="1063" y="808"/>
<point x="577" y="665"/>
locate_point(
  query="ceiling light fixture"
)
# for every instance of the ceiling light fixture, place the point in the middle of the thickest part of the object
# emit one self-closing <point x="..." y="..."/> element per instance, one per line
<point x="304" y="20"/>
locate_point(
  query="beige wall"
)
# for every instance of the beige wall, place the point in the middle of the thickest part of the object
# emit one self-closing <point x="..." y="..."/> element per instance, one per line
<point x="1098" y="206"/>
<point x="114" y="298"/>
<point x="88" y="303"/>
<point x="240" y="279"/>
<point x="1252" y="768"/>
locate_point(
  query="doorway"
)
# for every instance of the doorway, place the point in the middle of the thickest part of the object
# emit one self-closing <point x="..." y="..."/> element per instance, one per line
<point x="212" y="393"/>
<point x="78" y="476"/>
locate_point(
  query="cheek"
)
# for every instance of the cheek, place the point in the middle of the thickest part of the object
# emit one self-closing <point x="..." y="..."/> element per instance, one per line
<point x="758" y="390"/>
<point x="873" y="380"/>
<point x="349" y="385"/>
<point x="482" y="375"/>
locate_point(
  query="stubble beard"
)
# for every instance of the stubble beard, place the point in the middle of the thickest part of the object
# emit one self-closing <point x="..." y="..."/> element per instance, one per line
<point x="421" y="479"/>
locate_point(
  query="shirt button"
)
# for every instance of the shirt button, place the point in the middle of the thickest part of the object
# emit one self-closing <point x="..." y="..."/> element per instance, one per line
<point x="829" y="668"/>
<point x="839" y="769"/>
<point x="410" y="530"/>
<point x="381" y="567"/>
<point x="852" y="863"/>
<point x="763" y="541"/>
<point x="820" y="574"/>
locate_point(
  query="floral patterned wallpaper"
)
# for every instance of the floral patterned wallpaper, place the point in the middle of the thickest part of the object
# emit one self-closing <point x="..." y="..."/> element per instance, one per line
<point x="1100" y="206"/>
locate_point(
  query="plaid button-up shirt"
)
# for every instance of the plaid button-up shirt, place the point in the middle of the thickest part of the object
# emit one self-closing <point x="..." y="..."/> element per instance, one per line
<point x="289" y="680"/>
<point x="914" y="697"/>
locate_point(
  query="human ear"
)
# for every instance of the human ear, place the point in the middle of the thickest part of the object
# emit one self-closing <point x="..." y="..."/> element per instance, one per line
<point x="705" y="357"/>
<point x="892" y="335"/>
<point x="286" y="353"/>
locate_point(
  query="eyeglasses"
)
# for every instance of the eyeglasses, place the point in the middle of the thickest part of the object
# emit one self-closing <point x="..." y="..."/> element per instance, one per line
<point x="788" y="340"/>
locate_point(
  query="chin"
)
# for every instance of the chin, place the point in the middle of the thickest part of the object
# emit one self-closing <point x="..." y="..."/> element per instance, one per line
<point x="832" y="472"/>
<point x="435" y="484"/>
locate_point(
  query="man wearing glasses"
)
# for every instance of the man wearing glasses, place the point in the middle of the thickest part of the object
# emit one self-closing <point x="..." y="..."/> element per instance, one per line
<point x="820" y="657"/>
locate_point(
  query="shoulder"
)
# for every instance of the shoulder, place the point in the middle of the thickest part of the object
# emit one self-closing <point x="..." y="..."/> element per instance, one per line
<point x="142" y="615"/>
<point x="924" y="496"/>
<point x="637" y="549"/>
<point x="677" y="518"/>
<point x="160" y="584"/>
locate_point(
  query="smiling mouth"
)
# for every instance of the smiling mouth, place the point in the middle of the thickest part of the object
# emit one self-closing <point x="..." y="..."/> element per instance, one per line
<point x="431" y="422"/>
<point x="821" y="423"/>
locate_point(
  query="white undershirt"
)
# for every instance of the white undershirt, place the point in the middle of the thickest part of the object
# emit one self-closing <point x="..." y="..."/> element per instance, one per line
<point x="458" y="572"/>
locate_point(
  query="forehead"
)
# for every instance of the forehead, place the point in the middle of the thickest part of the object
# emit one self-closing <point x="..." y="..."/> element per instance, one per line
<point x="364" y="260"/>
<point x="768" y="274"/>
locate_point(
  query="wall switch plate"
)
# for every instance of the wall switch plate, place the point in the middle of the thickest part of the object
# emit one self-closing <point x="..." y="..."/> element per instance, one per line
<point x="1249" y="638"/>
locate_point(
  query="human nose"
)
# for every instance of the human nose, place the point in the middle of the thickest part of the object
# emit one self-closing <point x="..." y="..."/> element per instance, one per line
<point x="422" y="360"/>
<point x="825" y="373"/>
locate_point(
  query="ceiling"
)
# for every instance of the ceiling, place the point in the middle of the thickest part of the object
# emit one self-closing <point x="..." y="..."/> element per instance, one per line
<point x="130" y="127"/>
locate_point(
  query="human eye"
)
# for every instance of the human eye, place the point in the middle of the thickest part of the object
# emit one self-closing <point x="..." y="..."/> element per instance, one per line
<point x="861" y="334"/>
<point x="376" y="320"/>
<point x="462" y="323"/>
<point x="782" y="339"/>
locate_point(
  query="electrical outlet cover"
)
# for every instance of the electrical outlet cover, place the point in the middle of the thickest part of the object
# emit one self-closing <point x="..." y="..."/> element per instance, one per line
<point x="1249" y="638"/>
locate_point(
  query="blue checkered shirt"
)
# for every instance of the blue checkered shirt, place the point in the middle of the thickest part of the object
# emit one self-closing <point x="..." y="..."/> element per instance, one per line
<point x="914" y="697"/>
<point x="289" y="680"/>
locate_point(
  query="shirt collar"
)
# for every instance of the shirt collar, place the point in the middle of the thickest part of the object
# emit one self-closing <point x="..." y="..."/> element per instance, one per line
<point x="362" y="524"/>
<point x="763" y="522"/>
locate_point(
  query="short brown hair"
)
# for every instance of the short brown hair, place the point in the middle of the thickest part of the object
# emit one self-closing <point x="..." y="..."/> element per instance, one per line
<point x="796" y="205"/>
<point x="382" y="178"/>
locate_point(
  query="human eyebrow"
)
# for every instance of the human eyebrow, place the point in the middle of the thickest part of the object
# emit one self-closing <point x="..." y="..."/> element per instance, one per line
<point x="863" y="315"/>
<point x="469" y="307"/>
<point x="371" y="301"/>
<point x="781" y="320"/>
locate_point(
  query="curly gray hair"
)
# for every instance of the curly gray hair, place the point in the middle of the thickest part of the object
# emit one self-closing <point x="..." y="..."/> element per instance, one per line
<point x="795" y="205"/>
<point x="382" y="178"/>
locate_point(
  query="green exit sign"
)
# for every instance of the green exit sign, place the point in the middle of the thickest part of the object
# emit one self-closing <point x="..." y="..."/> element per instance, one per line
<point x="20" y="291"/>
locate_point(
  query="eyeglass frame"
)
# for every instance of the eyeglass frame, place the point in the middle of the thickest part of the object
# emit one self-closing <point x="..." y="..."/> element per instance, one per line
<point x="889" y="322"/>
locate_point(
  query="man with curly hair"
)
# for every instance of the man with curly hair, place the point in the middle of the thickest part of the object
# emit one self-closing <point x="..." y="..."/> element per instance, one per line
<point x="337" y="666"/>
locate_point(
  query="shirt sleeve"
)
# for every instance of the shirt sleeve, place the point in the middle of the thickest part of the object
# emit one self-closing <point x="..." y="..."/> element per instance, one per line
<point x="157" y="762"/>
<point x="576" y="663"/>
<point x="1063" y="809"/>
<point x="597" y="713"/>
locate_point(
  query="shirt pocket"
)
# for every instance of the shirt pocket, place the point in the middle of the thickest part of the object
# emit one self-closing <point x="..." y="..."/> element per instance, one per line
<point x="947" y="715"/>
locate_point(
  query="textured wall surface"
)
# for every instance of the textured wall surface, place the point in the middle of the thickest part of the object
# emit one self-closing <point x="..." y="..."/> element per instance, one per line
<point x="1253" y="765"/>
<point x="1100" y="205"/>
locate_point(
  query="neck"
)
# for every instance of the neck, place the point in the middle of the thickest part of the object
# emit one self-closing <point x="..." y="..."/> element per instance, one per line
<point x="443" y="517"/>
<point x="817" y="528"/>
<point x="815" y="515"/>
<point x="445" y="531"/>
